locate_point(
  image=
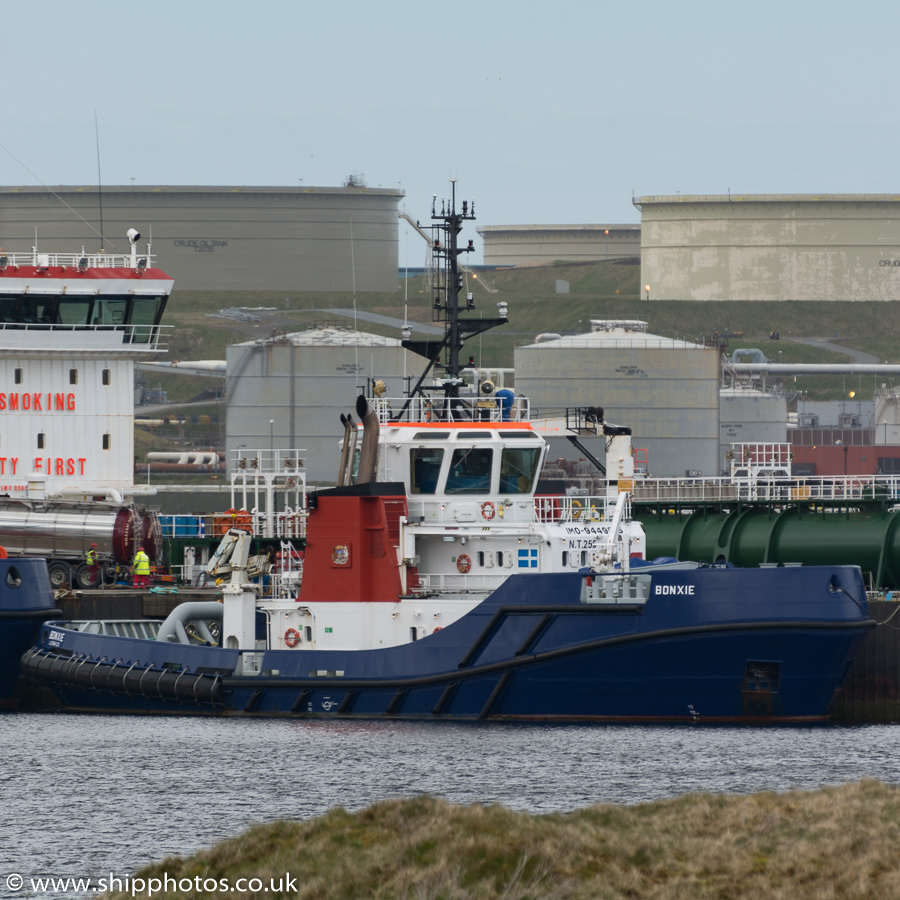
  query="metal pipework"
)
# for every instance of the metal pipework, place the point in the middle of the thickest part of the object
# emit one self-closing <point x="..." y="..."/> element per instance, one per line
<point x="368" y="457"/>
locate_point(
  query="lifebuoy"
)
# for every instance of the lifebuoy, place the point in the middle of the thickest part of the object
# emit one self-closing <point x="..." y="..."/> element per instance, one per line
<point x="463" y="563"/>
<point x="436" y="630"/>
<point x="576" y="509"/>
<point x="291" y="637"/>
<point x="488" y="510"/>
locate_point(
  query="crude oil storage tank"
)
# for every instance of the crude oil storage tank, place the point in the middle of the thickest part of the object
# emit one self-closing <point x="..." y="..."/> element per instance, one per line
<point x="770" y="247"/>
<point x="665" y="390"/>
<point x="288" y="392"/>
<point x="225" y="238"/>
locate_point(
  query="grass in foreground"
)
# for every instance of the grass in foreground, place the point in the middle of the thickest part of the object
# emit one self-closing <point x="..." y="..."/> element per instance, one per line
<point x="831" y="843"/>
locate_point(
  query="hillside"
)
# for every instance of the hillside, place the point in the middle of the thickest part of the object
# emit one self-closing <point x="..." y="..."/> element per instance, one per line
<point x="596" y="290"/>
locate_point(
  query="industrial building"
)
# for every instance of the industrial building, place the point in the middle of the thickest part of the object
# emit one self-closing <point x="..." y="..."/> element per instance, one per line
<point x="287" y="392"/>
<point x="665" y="390"/>
<point x="223" y="238"/>
<point x="518" y="245"/>
<point x="843" y="247"/>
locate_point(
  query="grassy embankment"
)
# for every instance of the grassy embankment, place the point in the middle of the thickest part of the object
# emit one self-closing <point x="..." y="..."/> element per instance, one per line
<point x="830" y="843"/>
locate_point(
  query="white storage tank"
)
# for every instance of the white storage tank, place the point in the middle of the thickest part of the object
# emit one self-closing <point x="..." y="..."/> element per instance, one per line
<point x="750" y="416"/>
<point x="665" y="390"/>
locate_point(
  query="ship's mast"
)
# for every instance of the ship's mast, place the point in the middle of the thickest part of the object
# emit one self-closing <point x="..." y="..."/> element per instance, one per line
<point x="447" y="288"/>
<point x="448" y="283"/>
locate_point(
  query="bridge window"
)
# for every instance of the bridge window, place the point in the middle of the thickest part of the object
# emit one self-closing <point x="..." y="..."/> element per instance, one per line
<point x="424" y="468"/>
<point x="518" y="468"/>
<point x="75" y="312"/>
<point x="470" y="471"/>
<point x="145" y="311"/>
<point x="38" y="310"/>
<point x="109" y="312"/>
<point x="9" y="309"/>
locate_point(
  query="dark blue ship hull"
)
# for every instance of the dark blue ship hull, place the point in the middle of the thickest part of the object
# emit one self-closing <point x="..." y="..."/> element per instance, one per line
<point x="764" y="645"/>
<point x="26" y="601"/>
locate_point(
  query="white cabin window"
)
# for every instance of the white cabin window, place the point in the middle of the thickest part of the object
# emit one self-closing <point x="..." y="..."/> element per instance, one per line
<point x="19" y="376"/>
<point x="40" y="440"/>
<point x="518" y="468"/>
<point x="470" y="471"/>
<point x="106" y="377"/>
<point x="73" y="376"/>
<point x="106" y="441"/>
<point x="424" y="468"/>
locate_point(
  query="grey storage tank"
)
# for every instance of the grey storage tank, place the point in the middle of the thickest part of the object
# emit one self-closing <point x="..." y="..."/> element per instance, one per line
<point x="287" y="392"/>
<point x="666" y="390"/>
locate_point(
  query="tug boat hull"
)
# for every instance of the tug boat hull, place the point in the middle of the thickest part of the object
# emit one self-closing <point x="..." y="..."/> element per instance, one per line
<point x="26" y="601"/>
<point x="709" y="645"/>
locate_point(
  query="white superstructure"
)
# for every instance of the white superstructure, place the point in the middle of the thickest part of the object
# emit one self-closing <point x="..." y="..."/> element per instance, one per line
<point x="71" y="328"/>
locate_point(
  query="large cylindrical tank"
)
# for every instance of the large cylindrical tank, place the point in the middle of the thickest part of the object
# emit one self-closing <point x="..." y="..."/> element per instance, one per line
<point x="869" y="539"/>
<point x="152" y="536"/>
<point x="68" y="530"/>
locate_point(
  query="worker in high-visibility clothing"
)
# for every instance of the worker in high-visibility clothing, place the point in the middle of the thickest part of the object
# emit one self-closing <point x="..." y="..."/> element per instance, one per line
<point x="93" y="561"/>
<point x="140" y="569"/>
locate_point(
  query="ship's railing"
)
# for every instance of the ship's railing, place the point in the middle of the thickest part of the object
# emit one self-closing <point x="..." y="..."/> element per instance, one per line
<point x="286" y="463"/>
<point x="441" y="409"/>
<point x="77" y="261"/>
<point x="825" y="488"/>
<point x="497" y="512"/>
<point x="452" y="583"/>
<point x="144" y="338"/>
<point x="684" y="490"/>
<point x="286" y="524"/>
<point x="577" y="509"/>
<point x="829" y="488"/>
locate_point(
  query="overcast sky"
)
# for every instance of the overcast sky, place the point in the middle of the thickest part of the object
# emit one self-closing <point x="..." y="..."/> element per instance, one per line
<point x="550" y="112"/>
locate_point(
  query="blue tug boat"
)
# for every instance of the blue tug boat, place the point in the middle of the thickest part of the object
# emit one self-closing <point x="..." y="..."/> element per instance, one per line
<point x="440" y="582"/>
<point x="26" y="602"/>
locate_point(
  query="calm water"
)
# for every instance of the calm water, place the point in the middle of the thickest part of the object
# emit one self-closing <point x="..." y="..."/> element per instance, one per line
<point x="94" y="795"/>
